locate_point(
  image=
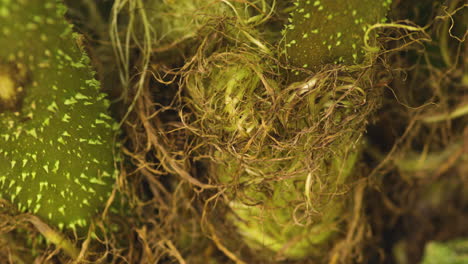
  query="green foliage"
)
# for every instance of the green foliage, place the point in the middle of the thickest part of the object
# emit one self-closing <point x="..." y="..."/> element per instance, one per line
<point x="56" y="149"/>
<point x="452" y="252"/>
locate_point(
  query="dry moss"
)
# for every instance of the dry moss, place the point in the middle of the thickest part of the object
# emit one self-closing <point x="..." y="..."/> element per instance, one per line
<point x="284" y="154"/>
<point x="279" y="157"/>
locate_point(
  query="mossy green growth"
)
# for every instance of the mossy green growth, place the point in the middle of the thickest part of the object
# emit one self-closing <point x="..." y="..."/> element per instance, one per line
<point x="321" y="32"/>
<point x="221" y="94"/>
<point x="285" y="166"/>
<point x="297" y="216"/>
<point x="176" y="20"/>
<point x="56" y="140"/>
<point x="451" y="252"/>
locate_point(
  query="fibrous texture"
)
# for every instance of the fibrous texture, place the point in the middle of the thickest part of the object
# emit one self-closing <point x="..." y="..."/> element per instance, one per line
<point x="56" y="151"/>
<point x="285" y="154"/>
<point x="323" y="32"/>
<point x="177" y="20"/>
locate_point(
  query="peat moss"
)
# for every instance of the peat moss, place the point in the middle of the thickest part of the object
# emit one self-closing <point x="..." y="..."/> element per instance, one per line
<point x="185" y="23"/>
<point x="222" y="93"/>
<point x="281" y="156"/>
<point x="179" y="20"/>
<point x="284" y="154"/>
<point x="284" y="205"/>
<point x="56" y="151"/>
